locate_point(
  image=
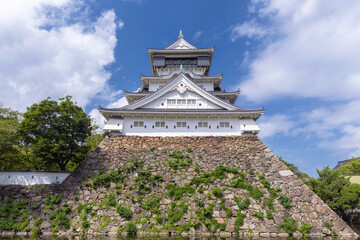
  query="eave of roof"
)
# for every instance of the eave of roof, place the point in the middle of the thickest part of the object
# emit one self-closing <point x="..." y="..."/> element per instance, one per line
<point x="217" y="78"/>
<point x="242" y="113"/>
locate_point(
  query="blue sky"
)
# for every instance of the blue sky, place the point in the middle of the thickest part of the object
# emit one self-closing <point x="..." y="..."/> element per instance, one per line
<point x="298" y="59"/>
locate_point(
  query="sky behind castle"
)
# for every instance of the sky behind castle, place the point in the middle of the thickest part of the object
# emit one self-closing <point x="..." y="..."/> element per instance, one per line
<point x="298" y="59"/>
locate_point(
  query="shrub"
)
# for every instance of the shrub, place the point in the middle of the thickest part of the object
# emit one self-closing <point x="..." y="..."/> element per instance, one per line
<point x="85" y="224"/>
<point x="35" y="206"/>
<point x="124" y="212"/>
<point x="76" y="198"/>
<point x="217" y="191"/>
<point x="88" y="209"/>
<point x="255" y="193"/>
<point x="177" y="155"/>
<point x="179" y="192"/>
<point x="152" y="149"/>
<point x="199" y="203"/>
<point x="269" y="215"/>
<point x="35" y="232"/>
<point x="285" y="201"/>
<point x="244" y="204"/>
<point x="131" y="229"/>
<point x="152" y="203"/>
<point x="289" y="225"/>
<point x="259" y="215"/>
<point x="177" y="211"/>
<point x="251" y="172"/>
<point x="110" y="200"/>
<point x="305" y="227"/>
<point x="189" y="150"/>
<point x="63" y="220"/>
<point x="239" y="220"/>
<point x="38" y="222"/>
<point x="270" y="204"/>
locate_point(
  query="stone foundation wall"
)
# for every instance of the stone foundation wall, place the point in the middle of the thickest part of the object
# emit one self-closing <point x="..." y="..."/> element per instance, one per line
<point x="223" y="186"/>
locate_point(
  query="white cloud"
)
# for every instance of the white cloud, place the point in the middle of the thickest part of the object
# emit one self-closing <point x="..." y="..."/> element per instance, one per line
<point x="98" y="119"/>
<point x="250" y="29"/>
<point x="49" y="48"/>
<point x="276" y="124"/>
<point x="313" y="53"/>
<point x="197" y="35"/>
<point x="316" y="53"/>
<point x="121" y="24"/>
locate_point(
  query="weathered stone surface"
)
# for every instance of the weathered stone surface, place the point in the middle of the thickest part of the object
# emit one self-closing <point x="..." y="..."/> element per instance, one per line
<point x="339" y="225"/>
<point x="243" y="153"/>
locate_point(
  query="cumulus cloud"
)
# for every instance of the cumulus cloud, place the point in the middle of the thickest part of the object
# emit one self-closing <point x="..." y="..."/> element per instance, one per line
<point x="314" y="53"/>
<point x="276" y="124"/>
<point x="49" y="48"/>
<point x="98" y="119"/>
<point x="250" y="29"/>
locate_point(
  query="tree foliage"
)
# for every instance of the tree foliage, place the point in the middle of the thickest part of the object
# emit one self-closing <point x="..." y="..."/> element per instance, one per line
<point x="56" y="132"/>
<point x="328" y="186"/>
<point x="352" y="167"/>
<point x="10" y="151"/>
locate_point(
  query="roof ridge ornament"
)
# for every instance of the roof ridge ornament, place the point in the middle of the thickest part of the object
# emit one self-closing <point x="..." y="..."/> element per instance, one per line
<point x="180" y="34"/>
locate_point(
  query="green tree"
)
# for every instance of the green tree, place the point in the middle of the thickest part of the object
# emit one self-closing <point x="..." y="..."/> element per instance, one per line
<point x="10" y="150"/>
<point x="329" y="187"/>
<point x="352" y="167"/>
<point x="56" y="132"/>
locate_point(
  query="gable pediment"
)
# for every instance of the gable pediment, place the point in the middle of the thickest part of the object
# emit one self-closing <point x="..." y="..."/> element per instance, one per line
<point x="181" y="43"/>
<point x="182" y="84"/>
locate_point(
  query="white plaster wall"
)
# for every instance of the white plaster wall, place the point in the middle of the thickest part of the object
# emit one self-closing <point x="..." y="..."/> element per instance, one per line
<point x="191" y="131"/>
<point x="32" y="178"/>
<point x="200" y="104"/>
<point x="114" y="124"/>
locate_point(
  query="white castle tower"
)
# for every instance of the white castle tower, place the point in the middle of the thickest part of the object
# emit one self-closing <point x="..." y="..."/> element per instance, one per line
<point x="181" y="99"/>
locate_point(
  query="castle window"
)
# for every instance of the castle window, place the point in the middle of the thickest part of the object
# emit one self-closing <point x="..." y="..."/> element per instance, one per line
<point x="138" y="124"/>
<point x="181" y="101"/>
<point x="224" y="124"/>
<point x="159" y="124"/>
<point x="203" y="124"/>
<point x="181" y="124"/>
<point x="171" y="101"/>
<point x="191" y="102"/>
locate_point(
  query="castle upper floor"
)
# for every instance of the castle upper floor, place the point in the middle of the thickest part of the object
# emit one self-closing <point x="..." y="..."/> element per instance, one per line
<point x="180" y="55"/>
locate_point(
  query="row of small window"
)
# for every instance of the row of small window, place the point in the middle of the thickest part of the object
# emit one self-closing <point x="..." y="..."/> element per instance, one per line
<point x="181" y="101"/>
<point x="182" y="125"/>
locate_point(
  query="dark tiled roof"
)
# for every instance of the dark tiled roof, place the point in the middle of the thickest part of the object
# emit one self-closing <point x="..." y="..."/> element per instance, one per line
<point x="176" y="110"/>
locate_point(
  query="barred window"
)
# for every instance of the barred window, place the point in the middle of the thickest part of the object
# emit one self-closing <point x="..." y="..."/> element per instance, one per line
<point x="171" y="101"/>
<point x="181" y="101"/>
<point x="159" y="124"/>
<point x="202" y="124"/>
<point x="224" y="124"/>
<point x="191" y="102"/>
<point x="181" y="124"/>
<point x="138" y="124"/>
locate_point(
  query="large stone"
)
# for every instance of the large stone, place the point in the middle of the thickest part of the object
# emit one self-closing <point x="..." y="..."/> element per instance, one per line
<point x="339" y="225"/>
<point x="165" y="201"/>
